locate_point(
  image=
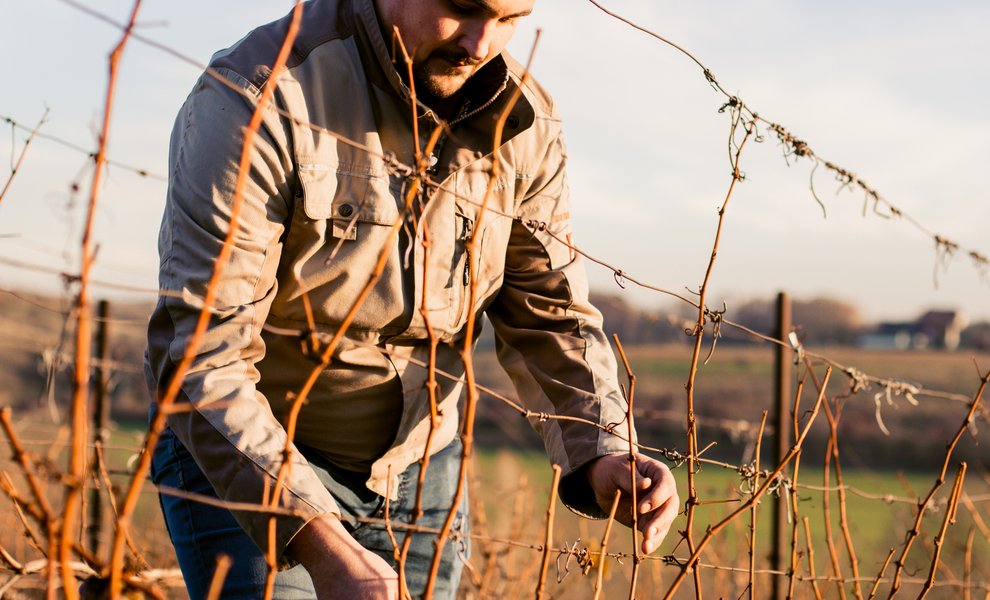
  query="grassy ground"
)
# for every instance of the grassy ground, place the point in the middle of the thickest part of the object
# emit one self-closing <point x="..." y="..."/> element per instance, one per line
<point x="875" y="525"/>
<point x="512" y="482"/>
<point x="733" y="389"/>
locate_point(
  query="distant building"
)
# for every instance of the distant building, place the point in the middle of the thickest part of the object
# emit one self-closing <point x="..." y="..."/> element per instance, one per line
<point x="938" y="329"/>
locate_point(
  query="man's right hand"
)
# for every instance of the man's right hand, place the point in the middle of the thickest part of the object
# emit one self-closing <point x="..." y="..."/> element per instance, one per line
<point x="339" y="566"/>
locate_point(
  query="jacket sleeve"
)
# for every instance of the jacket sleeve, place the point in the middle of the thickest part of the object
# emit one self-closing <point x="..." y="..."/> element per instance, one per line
<point x="230" y="429"/>
<point x="549" y="338"/>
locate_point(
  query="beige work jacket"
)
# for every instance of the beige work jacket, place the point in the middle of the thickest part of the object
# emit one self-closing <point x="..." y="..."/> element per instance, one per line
<point x="325" y="187"/>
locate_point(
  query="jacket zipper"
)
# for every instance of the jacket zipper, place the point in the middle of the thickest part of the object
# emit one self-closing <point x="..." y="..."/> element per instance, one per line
<point x="468" y="114"/>
<point x="465" y="113"/>
<point x="466" y="231"/>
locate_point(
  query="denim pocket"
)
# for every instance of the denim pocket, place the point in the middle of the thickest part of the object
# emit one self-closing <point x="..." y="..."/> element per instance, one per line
<point x="163" y="462"/>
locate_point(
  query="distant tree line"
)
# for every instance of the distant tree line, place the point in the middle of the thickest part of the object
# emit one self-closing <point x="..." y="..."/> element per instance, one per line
<point x="821" y="321"/>
<point x="36" y="352"/>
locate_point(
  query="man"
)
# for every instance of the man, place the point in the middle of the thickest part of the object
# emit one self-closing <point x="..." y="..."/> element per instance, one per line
<point x="322" y="197"/>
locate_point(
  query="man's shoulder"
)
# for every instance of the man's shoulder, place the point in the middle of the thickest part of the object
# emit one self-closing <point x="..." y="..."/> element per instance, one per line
<point x="536" y="94"/>
<point x="253" y="56"/>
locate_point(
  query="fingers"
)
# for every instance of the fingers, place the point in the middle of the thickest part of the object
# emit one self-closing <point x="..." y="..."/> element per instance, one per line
<point x="610" y="473"/>
<point x="656" y="524"/>
<point x="657" y="503"/>
<point x="660" y="484"/>
<point x="659" y="506"/>
<point x="618" y="472"/>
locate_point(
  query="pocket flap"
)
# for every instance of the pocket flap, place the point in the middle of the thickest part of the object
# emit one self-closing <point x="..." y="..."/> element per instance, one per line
<point x="346" y="195"/>
<point x="319" y="186"/>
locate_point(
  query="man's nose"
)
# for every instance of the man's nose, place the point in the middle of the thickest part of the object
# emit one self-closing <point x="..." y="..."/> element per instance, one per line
<point x="478" y="38"/>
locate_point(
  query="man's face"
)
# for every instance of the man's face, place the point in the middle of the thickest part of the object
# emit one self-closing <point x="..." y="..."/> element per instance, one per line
<point x="449" y="40"/>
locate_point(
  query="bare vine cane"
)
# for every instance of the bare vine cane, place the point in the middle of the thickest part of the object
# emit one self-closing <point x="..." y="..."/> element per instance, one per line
<point x="112" y="499"/>
<point x="466" y="352"/>
<point x="548" y="537"/>
<point x="833" y="553"/>
<point x="24" y="508"/>
<point x="388" y="516"/>
<point x="168" y="398"/>
<point x="950" y="517"/>
<point x="298" y="400"/>
<point x="520" y="507"/>
<point x="80" y="396"/>
<point x="604" y="546"/>
<point x="830" y="453"/>
<point x="792" y="493"/>
<point x="879" y="577"/>
<point x="431" y="389"/>
<point x="698" y="333"/>
<point x="434" y="340"/>
<point x="833" y="423"/>
<point x="12" y="563"/>
<point x="479" y="525"/>
<point x="224" y="563"/>
<point x="692" y="561"/>
<point x="20" y="157"/>
<point x="923" y="505"/>
<point x="631" y="429"/>
<point x="753" y="509"/>
<point x="27" y="466"/>
<point x="46" y="515"/>
<point x="811" y="559"/>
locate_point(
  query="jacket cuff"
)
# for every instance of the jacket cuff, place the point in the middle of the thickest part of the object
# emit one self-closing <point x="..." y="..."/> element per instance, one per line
<point x="295" y="511"/>
<point x="576" y="494"/>
<point x="575" y="490"/>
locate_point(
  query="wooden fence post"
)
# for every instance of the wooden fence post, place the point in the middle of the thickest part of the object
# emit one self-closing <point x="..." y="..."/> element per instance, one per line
<point x="101" y="420"/>
<point x="782" y="395"/>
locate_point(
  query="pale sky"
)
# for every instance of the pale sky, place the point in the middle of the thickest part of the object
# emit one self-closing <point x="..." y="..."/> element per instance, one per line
<point x="894" y="92"/>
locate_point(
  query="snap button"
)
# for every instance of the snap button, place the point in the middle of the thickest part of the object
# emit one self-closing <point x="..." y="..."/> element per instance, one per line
<point x="512" y="121"/>
<point x="345" y="210"/>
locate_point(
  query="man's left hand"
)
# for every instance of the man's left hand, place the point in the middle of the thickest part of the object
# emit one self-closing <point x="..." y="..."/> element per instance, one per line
<point x="656" y="494"/>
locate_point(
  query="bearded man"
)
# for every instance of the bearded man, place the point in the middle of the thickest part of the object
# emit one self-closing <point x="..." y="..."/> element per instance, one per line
<point x="325" y="189"/>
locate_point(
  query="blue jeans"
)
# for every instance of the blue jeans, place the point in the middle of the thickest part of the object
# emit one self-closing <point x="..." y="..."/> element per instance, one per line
<point x="200" y="533"/>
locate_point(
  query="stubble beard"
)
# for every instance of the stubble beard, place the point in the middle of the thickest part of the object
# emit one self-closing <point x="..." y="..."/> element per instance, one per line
<point x="437" y="80"/>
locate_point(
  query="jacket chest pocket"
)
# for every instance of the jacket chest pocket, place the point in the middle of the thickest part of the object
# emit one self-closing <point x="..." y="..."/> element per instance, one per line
<point x="348" y="214"/>
<point x="347" y="197"/>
